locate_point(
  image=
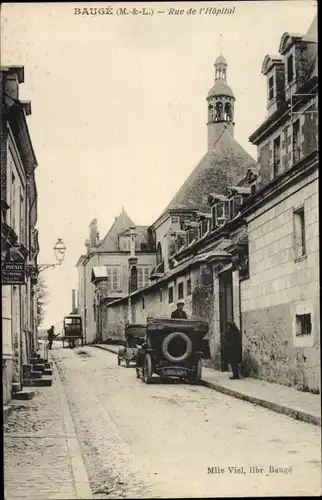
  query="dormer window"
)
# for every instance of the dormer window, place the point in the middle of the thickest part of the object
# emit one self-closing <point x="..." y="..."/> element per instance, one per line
<point x="235" y="203"/>
<point x="203" y="227"/>
<point x="220" y="213"/>
<point x="271" y="92"/>
<point x="289" y="69"/>
<point x="124" y="244"/>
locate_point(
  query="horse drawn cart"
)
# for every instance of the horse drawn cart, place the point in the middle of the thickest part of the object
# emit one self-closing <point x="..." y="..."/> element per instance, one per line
<point x="134" y="335"/>
<point x="173" y="348"/>
<point x="73" y="330"/>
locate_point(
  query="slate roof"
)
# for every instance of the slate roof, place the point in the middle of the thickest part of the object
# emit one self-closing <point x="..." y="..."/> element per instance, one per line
<point x="223" y="165"/>
<point x="110" y="242"/>
<point x="312" y="32"/>
<point x="220" y="88"/>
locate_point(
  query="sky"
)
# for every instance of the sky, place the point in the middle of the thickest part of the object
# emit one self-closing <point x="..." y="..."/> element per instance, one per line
<point x="119" y="111"/>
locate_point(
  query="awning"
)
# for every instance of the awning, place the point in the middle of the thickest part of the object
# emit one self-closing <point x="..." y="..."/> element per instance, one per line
<point x="99" y="273"/>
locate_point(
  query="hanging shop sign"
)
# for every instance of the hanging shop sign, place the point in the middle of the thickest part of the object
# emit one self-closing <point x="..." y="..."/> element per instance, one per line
<point x="13" y="273"/>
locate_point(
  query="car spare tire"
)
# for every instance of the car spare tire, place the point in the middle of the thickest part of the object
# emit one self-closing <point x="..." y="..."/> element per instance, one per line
<point x="179" y="337"/>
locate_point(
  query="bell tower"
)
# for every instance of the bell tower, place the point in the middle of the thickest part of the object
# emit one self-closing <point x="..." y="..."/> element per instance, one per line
<point x="220" y="101"/>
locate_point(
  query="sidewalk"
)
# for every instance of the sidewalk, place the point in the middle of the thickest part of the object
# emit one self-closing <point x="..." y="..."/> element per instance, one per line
<point x="41" y="453"/>
<point x="299" y="405"/>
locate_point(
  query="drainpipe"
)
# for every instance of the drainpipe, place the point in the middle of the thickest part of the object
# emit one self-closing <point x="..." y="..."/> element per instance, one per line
<point x="132" y="283"/>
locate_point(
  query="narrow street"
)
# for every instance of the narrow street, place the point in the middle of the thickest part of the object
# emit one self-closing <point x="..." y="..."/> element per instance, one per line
<point x="158" y="440"/>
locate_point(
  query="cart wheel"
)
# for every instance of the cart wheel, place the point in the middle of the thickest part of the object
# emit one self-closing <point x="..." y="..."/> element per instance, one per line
<point x="118" y="361"/>
<point x="127" y="363"/>
<point x="147" y="370"/>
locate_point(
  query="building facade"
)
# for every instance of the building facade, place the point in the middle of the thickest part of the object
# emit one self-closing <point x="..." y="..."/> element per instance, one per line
<point x="19" y="236"/>
<point x="190" y="244"/>
<point x="239" y="241"/>
<point x="280" y="301"/>
<point x="104" y="272"/>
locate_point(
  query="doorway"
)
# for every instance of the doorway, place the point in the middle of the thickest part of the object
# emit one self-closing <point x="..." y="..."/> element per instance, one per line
<point x="226" y="311"/>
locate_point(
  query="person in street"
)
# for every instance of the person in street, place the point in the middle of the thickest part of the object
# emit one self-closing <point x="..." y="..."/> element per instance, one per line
<point x="233" y="348"/>
<point x="179" y="313"/>
<point x="51" y="336"/>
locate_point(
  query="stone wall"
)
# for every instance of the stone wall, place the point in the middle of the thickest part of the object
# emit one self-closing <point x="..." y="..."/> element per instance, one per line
<point x="6" y="380"/>
<point x="281" y="286"/>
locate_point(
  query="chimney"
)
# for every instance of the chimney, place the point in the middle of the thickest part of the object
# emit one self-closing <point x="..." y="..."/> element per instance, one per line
<point x="73" y="300"/>
<point x="133" y="271"/>
<point x="93" y="232"/>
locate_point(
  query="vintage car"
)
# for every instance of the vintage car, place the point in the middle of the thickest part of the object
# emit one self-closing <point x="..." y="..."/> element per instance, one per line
<point x="134" y="337"/>
<point x="173" y="348"/>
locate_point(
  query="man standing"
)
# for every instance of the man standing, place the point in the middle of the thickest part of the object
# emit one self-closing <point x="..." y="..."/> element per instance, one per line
<point x="51" y="336"/>
<point x="179" y="313"/>
<point x="233" y="343"/>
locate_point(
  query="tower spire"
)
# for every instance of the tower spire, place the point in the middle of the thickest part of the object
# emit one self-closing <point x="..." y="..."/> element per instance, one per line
<point x="220" y="103"/>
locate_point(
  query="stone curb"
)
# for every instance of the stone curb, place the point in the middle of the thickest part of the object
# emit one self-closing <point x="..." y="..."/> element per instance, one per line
<point x="81" y="480"/>
<point x="270" y="405"/>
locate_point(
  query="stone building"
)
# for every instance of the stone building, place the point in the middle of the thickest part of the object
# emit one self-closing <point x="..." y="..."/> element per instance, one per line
<point x="188" y="236"/>
<point x="239" y="241"/>
<point x="104" y="272"/>
<point x="19" y="236"/>
<point x="280" y="300"/>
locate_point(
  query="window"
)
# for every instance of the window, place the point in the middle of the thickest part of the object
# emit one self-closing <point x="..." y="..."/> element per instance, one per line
<point x="189" y="286"/>
<point x="13" y="202"/>
<point x="114" y="282"/>
<point x="203" y="227"/>
<point x="296" y="141"/>
<point x="235" y="204"/>
<point x="299" y="233"/>
<point x="180" y="290"/>
<point x="143" y="303"/>
<point x="143" y="276"/>
<point x="22" y="219"/>
<point x="125" y="244"/>
<point x="289" y="69"/>
<point x="303" y="324"/>
<point x="270" y="88"/>
<point x="170" y="292"/>
<point x="277" y="156"/>
<point x="220" y="213"/>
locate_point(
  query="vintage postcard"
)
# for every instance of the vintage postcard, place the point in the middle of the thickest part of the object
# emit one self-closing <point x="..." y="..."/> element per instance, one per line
<point x="160" y="250"/>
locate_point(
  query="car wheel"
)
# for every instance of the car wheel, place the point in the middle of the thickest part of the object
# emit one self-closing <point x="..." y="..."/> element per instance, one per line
<point x="147" y="370"/>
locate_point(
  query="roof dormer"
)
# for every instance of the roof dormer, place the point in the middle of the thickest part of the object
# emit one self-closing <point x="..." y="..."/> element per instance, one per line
<point x="294" y="49"/>
<point x="273" y="69"/>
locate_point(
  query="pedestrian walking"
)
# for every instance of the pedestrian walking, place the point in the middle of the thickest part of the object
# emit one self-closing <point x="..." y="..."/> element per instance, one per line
<point x="179" y="313"/>
<point x="233" y="344"/>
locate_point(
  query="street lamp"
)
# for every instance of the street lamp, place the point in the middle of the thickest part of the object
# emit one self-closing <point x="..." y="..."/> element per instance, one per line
<point x="60" y="251"/>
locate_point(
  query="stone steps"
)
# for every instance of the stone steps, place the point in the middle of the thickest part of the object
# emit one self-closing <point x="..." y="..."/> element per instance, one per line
<point x="45" y="381"/>
<point x="25" y="395"/>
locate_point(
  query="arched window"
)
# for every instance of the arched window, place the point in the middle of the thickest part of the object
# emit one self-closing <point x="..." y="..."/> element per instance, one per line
<point x="159" y="253"/>
<point x="228" y="112"/>
<point x="219" y="109"/>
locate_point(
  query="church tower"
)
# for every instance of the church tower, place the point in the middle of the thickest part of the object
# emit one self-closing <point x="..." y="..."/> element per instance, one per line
<point x="220" y="101"/>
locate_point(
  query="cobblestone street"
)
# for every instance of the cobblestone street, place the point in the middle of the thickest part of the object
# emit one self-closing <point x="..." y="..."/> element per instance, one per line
<point x="149" y="441"/>
<point x="159" y="440"/>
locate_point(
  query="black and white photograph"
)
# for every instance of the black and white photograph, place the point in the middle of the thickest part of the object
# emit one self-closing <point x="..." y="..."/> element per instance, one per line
<point x="160" y="250"/>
